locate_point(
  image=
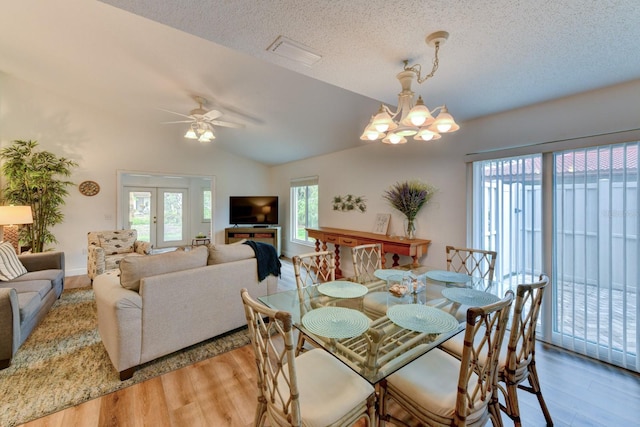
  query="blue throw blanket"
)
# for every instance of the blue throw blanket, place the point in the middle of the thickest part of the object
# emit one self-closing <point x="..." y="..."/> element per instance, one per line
<point x="267" y="257"/>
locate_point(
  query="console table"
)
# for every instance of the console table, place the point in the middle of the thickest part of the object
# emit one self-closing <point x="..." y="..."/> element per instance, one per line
<point x="415" y="248"/>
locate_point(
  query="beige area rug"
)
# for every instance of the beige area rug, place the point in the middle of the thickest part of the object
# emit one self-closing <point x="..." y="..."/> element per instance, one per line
<point x="63" y="362"/>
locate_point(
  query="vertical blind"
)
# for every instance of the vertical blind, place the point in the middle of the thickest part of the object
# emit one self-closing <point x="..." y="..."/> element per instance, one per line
<point x="596" y="249"/>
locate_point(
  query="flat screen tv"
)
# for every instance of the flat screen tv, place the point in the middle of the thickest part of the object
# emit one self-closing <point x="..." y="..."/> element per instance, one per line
<point x="253" y="210"/>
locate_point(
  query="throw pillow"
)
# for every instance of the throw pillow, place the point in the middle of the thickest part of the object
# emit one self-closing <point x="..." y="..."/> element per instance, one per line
<point x="117" y="242"/>
<point x="219" y="254"/>
<point x="10" y="265"/>
<point x="134" y="268"/>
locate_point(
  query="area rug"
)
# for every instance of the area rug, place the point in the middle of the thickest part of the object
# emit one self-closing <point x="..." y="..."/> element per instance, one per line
<point x="63" y="362"/>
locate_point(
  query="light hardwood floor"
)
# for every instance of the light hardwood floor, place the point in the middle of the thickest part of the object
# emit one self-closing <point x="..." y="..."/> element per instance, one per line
<point x="221" y="392"/>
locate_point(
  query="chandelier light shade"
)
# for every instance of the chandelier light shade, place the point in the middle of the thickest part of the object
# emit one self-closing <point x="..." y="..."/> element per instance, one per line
<point x="412" y="119"/>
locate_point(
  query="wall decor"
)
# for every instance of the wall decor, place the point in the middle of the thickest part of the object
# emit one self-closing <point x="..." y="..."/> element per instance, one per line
<point x="349" y="203"/>
<point x="381" y="226"/>
<point x="89" y="188"/>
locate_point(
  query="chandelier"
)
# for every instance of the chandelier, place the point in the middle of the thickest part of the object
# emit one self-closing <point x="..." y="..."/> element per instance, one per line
<point x="412" y="118"/>
<point x="201" y="131"/>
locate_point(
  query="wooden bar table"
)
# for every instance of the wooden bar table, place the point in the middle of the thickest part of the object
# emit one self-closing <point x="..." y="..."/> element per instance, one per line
<point x="415" y="248"/>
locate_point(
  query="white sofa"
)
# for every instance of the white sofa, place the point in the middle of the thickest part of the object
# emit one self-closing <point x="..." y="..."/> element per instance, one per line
<point x="172" y="310"/>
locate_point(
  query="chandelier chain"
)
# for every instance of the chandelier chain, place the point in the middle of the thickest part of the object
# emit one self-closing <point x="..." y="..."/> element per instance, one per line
<point x="417" y="68"/>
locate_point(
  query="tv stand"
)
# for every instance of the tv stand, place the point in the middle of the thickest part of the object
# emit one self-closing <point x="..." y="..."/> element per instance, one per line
<point x="263" y="234"/>
<point x="260" y="226"/>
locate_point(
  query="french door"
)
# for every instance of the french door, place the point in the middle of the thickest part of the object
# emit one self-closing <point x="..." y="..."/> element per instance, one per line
<point x="158" y="214"/>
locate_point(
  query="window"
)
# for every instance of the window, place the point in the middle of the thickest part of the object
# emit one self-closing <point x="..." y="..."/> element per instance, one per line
<point x="304" y="208"/>
<point x="206" y="205"/>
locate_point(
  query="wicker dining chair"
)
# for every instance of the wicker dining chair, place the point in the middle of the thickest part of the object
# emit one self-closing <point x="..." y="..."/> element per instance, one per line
<point x="517" y="361"/>
<point x="474" y="262"/>
<point x="312" y="269"/>
<point x="312" y="389"/>
<point x="366" y="260"/>
<point x="440" y="390"/>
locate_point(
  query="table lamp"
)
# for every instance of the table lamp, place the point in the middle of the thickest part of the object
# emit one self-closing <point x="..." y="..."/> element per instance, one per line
<point x="10" y="217"/>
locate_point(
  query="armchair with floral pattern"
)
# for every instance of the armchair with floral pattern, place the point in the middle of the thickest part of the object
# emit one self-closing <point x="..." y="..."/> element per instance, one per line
<point x="107" y="248"/>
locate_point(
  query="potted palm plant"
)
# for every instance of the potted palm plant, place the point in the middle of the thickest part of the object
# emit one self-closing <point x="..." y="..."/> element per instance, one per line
<point x="36" y="178"/>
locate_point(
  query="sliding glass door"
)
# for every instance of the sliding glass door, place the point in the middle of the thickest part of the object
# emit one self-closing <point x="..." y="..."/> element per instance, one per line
<point x="594" y="301"/>
<point x="596" y="250"/>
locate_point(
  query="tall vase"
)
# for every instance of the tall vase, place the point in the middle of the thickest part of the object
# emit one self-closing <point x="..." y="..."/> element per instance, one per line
<point x="409" y="229"/>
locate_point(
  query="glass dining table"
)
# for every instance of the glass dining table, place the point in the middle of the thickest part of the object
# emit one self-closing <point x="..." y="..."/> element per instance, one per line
<point x="408" y="313"/>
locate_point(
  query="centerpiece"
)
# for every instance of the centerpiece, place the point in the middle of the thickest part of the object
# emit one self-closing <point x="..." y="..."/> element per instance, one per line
<point x="409" y="197"/>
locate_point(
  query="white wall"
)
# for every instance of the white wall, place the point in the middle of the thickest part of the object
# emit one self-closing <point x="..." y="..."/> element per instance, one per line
<point x="102" y="144"/>
<point x="369" y="170"/>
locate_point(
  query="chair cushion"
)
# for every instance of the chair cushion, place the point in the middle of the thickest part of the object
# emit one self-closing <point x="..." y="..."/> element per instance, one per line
<point x="134" y="268"/>
<point x="10" y="265"/>
<point x="430" y="382"/>
<point x="28" y="303"/>
<point x="40" y="286"/>
<point x="219" y="254"/>
<point x="328" y="388"/>
<point x="54" y="276"/>
<point x="117" y="241"/>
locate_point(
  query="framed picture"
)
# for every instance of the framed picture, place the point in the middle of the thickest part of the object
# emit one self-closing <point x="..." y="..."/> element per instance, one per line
<point x="382" y="223"/>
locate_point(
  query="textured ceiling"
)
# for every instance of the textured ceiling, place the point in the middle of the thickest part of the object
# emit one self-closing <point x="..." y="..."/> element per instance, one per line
<point x="501" y="54"/>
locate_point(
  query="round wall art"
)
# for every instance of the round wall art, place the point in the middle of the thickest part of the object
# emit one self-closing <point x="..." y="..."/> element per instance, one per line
<point x="89" y="188"/>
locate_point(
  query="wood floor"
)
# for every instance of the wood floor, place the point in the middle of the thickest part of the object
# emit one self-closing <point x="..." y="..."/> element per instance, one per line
<point x="221" y="392"/>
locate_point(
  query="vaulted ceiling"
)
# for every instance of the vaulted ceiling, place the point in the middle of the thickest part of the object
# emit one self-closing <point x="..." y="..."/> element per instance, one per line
<point x="138" y="57"/>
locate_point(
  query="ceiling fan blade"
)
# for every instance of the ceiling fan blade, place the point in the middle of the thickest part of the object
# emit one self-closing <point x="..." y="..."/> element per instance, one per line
<point x="177" y="121"/>
<point x="226" y="124"/>
<point x="213" y="114"/>
<point x="173" y="112"/>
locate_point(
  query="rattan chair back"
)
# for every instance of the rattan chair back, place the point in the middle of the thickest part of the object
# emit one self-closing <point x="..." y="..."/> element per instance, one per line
<point x="480" y="357"/>
<point x="275" y="362"/>
<point x="366" y="260"/>
<point x="314" y="268"/>
<point x="520" y="359"/>
<point x="474" y="262"/>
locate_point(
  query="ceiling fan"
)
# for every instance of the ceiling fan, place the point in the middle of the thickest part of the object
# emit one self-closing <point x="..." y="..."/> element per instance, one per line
<point x="202" y="122"/>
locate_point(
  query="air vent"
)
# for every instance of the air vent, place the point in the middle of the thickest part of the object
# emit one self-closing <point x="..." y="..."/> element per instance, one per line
<point x="293" y="50"/>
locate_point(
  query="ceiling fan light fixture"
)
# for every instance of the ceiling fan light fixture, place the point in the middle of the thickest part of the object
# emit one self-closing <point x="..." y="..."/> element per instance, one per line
<point x="412" y="118"/>
<point x="191" y="134"/>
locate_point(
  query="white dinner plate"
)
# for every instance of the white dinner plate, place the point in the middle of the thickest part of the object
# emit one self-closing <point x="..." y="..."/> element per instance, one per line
<point x="448" y="276"/>
<point x="471" y="297"/>
<point x="422" y="318"/>
<point x="336" y="322"/>
<point x="342" y="289"/>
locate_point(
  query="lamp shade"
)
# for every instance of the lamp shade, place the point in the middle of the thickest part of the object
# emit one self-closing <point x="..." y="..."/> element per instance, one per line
<point x="12" y="215"/>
